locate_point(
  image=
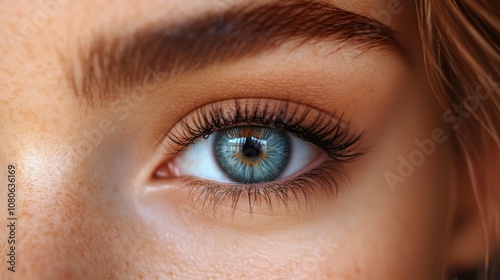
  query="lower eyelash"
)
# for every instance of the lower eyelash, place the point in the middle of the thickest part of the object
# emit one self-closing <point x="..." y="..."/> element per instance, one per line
<point x="322" y="182"/>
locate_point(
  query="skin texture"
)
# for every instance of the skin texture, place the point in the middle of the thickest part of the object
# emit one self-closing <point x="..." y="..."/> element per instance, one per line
<point x="102" y="216"/>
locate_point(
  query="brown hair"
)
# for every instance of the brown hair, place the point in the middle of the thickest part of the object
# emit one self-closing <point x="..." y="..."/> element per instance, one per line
<point x="462" y="55"/>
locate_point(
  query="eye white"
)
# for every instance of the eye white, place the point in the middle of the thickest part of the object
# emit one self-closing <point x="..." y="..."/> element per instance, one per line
<point x="198" y="160"/>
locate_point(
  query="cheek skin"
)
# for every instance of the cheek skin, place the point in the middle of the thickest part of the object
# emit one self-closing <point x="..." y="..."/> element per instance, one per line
<point x="76" y="223"/>
<point x="404" y="227"/>
<point x="71" y="225"/>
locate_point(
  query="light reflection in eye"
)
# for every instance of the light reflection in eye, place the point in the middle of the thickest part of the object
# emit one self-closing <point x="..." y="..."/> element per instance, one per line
<point x="252" y="154"/>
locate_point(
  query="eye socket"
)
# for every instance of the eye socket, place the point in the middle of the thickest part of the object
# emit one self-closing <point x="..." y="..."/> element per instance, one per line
<point x="248" y="155"/>
<point x="252" y="153"/>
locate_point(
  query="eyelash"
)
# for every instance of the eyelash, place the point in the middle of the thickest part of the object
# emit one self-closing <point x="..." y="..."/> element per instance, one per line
<point x="325" y="132"/>
<point x="304" y="189"/>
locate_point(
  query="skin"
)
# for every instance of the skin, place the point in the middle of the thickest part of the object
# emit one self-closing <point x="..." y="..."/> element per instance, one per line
<point x="102" y="216"/>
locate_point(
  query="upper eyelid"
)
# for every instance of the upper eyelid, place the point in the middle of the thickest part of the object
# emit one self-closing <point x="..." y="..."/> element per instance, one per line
<point x="294" y="117"/>
<point x="221" y="108"/>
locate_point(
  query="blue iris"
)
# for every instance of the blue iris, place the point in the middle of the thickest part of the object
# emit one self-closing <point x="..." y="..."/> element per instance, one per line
<point x="252" y="154"/>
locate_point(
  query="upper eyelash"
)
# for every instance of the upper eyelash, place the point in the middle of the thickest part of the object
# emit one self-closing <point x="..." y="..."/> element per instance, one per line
<point x="325" y="132"/>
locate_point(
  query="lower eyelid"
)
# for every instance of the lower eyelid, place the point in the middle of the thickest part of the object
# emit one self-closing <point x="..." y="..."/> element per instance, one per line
<point x="302" y="192"/>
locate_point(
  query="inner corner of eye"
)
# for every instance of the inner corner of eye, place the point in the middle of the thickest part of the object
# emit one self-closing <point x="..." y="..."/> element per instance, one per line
<point x="190" y="161"/>
<point x="167" y="170"/>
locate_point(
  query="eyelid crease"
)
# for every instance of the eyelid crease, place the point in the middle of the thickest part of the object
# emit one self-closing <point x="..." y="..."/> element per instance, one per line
<point x="312" y="125"/>
<point x="112" y="62"/>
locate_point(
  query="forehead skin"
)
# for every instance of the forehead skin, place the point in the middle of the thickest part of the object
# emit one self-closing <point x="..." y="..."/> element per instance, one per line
<point x="82" y="219"/>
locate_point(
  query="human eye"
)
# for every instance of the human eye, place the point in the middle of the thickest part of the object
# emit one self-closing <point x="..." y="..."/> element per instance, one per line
<point x="259" y="154"/>
<point x="246" y="155"/>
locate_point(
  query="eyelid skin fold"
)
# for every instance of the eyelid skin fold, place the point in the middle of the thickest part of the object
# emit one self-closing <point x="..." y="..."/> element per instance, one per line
<point x="327" y="132"/>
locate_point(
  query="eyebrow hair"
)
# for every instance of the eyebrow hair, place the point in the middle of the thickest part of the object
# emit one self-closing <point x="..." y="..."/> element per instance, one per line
<point x="114" y="63"/>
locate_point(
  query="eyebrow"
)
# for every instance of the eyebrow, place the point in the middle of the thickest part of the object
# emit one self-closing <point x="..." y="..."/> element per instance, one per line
<point x="112" y="63"/>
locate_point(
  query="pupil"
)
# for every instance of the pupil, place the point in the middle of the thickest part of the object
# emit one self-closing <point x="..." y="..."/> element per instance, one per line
<point x="252" y="155"/>
<point x="250" y="148"/>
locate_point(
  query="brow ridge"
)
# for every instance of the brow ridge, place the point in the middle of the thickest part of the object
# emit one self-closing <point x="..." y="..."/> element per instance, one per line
<point x="114" y="61"/>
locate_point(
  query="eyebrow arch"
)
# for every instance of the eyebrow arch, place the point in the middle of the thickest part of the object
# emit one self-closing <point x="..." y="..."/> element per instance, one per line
<point x="115" y="62"/>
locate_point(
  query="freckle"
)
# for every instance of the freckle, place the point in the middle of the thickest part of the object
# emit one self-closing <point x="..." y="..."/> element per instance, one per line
<point x="43" y="127"/>
<point x="27" y="215"/>
<point x="11" y="113"/>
